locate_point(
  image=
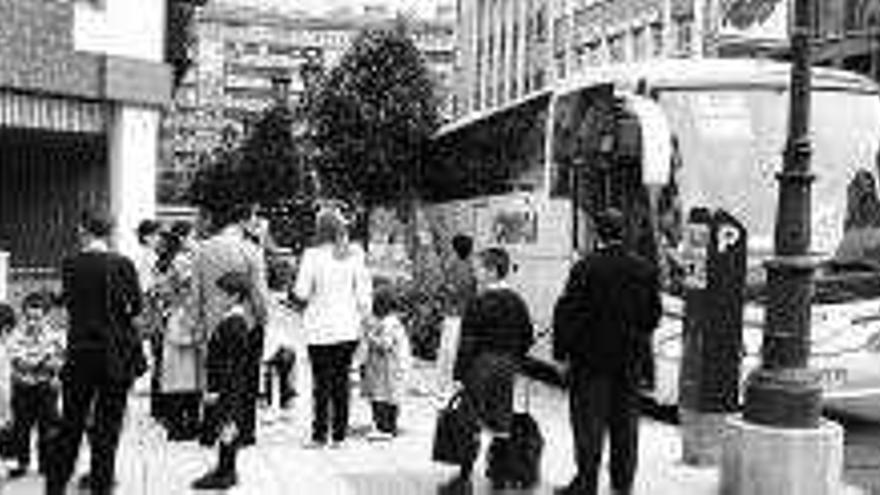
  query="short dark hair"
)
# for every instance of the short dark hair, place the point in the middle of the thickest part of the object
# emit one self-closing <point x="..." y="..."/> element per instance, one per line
<point x="610" y="225"/>
<point x="497" y="260"/>
<point x="384" y="302"/>
<point x="230" y="214"/>
<point x="96" y="221"/>
<point x="39" y="299"/>
<point x="235" y="284"/>
<point x="181" y="228"/>
<point x="463" y="245"/>
<point x="147" y="228"/>
<point x="7" y="317"/>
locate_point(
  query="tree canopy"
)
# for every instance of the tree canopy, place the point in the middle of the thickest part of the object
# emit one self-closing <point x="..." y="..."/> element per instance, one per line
<point x="374" y="115"/>
<point x="266" y="168"/>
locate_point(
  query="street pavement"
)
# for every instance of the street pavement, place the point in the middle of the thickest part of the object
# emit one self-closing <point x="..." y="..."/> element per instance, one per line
<point x="278" y="464"/>
<point x="862" y="454"/>
<point x="149" y="465"/>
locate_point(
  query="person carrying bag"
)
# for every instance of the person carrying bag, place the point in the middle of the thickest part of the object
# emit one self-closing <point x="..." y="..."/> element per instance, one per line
<point x="455" y="435"/>
<point x="515" y="461"/>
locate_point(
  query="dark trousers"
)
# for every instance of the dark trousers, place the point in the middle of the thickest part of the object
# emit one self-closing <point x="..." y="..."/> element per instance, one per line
<point x="33" y="404"/>
<point x="385" y="416"/>
<point x="600" y="404"/>
<point x="86" y="389"/>
<point x="182" y="411"/>
<point x="330" y="389"/>
<point x="157" y="398"/>
<point x="280" y="369"/>
<point x="249" y="411"/>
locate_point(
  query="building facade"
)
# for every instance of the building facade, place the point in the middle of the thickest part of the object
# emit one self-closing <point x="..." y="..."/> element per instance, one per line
<point x="242" y="53"/>
<point x="510" y="48"/>
<point x="848" y="35"/>
<point x="82" y="85"/>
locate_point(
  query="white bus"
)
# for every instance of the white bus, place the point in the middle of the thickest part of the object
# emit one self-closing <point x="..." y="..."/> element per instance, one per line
<point x="656" y="140"/>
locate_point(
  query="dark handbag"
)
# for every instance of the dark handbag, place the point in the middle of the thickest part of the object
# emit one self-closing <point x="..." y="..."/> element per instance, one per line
<point x="7" y="442"/>
<point x="455" y="435"/>
<point x="515" y="461"/>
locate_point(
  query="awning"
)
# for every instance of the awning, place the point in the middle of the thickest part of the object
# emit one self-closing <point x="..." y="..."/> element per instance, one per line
<point x="30" y="111"/>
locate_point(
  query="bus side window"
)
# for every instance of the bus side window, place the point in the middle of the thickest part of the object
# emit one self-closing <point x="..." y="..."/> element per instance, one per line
<point x="669" y="225"/>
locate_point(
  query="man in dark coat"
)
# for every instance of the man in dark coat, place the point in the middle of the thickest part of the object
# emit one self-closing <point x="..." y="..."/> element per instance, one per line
<point x="603" y="324"/>
<point x="104" y="355"/>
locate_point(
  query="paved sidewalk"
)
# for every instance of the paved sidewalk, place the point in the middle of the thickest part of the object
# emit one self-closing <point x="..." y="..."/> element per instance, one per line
<point x="148" y="465"/>
<point x="278" y="464"/>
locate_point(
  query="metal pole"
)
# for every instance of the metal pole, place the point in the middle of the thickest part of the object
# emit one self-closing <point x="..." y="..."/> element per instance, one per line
<point x="783" y="391"/>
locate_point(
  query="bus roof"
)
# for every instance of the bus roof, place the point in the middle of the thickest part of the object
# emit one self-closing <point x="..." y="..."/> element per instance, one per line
<point x="690" y="73"/>
<point x="686" y="73"/>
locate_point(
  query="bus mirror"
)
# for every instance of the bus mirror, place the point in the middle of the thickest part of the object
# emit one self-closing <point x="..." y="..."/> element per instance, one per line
<point x="656" y="140"/>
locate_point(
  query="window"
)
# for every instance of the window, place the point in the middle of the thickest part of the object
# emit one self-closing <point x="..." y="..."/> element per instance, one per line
<point x="98" y="4"/>
<point x="284" y="50"/>
<point x="657" y="39"/>
<point x="683" y="36"/>
<point x="616" y="48"/>
<point x="541" y="24"/>
<point x="540" y="77"/>
<point x="594" y="53"/>
<point x="251" y="48"/>
<point x="640" y="43"/>
<point x="501" y="153"/>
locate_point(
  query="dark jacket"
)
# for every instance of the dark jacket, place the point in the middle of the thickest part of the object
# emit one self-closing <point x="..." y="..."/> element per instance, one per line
<point x="227" y="366"/>
<point x="495" y="322"/>
<point x="102" y="295"/>
<point x="604" y="321"/>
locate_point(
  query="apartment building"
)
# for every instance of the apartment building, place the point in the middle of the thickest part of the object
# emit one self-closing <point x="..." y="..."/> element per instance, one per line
<point x="510" y="48"/>
<point x="244" y="56"/>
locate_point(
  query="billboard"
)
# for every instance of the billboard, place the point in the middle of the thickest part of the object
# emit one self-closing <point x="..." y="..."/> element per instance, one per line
<point x="755" y="20"/>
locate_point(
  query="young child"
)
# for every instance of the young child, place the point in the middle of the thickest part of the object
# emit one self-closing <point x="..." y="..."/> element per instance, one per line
<point x="227" y="368"/>
<point x="36" y="352"/>
<point x="386" y="363"/>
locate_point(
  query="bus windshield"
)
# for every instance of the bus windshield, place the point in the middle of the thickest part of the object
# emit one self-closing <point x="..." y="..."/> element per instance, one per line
<point x="730" y="146"/>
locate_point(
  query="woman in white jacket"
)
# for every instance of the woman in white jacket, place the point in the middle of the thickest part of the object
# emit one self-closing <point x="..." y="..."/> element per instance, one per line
<point x="335" y="286"/>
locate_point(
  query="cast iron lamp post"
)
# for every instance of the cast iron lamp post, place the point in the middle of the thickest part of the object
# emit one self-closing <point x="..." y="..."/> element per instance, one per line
<point x="783" y="392"/>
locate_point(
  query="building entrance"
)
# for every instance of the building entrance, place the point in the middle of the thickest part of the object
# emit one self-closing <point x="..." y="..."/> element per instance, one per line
<point x="46" y="178"/>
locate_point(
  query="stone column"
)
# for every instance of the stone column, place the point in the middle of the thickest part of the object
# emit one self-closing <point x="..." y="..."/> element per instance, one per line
<point x="134" y="150"/>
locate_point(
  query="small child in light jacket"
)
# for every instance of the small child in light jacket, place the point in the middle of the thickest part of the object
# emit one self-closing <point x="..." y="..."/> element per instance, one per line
<point x="36" y="351"/>
<point x="387" y="360"/>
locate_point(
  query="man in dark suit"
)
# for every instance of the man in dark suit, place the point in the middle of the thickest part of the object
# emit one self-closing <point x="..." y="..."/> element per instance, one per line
<point x="603" y="324"/>
<point x="104" y="356"/>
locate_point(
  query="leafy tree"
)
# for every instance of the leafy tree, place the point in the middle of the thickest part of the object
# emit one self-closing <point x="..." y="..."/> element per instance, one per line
<point x="216" y="185"/>
<point x="271" y="163"/>
<point x="267" y="168"/>
<point x="373" y="117"/>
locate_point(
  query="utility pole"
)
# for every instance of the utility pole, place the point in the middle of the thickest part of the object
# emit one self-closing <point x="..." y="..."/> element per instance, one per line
<point x="783" y="392"/>
<point x="782" y="445"/>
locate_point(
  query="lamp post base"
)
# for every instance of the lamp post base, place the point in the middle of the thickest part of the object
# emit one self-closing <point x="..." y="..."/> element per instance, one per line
<point x="785" y="398"/>
<point x="761" y="460"/>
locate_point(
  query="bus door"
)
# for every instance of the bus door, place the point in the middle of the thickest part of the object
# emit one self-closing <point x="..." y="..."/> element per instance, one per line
<point x="583" y="136"/>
